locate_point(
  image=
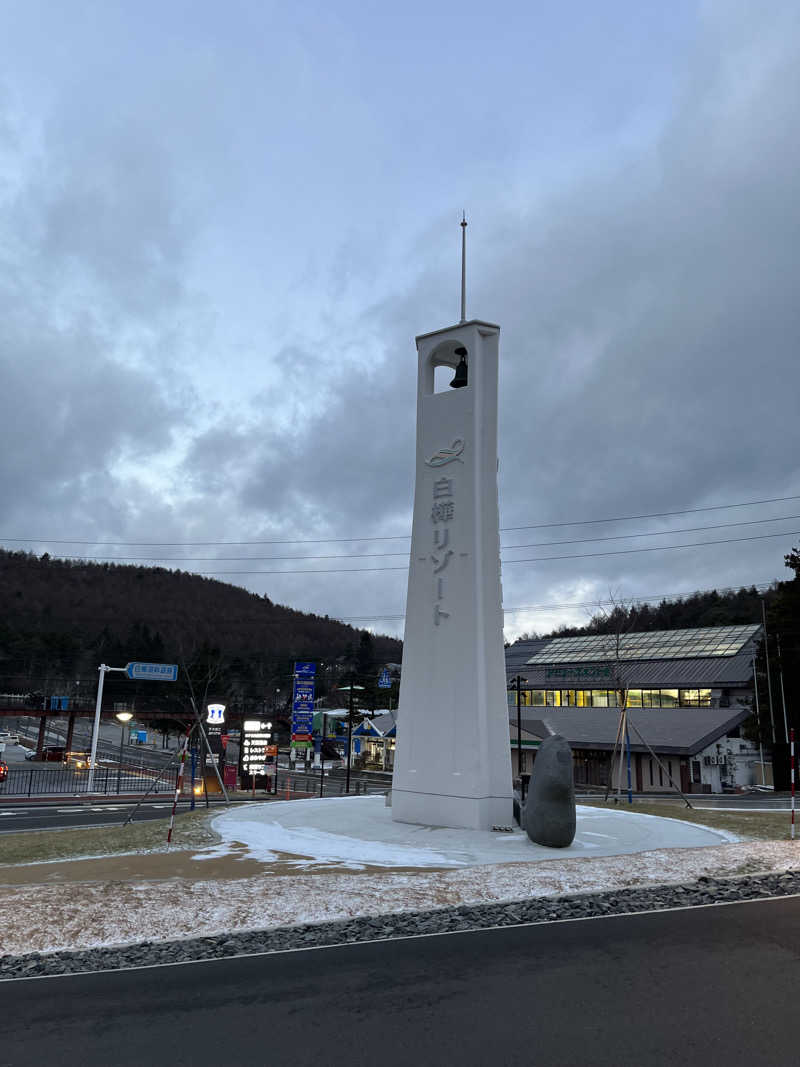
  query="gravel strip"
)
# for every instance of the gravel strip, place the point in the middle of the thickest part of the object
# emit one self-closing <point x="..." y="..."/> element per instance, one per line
<point x="705" y="890"/>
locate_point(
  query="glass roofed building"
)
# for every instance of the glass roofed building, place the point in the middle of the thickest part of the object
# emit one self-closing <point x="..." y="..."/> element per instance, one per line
<point x="689" y="691"/>
<point x="708" y="668"/>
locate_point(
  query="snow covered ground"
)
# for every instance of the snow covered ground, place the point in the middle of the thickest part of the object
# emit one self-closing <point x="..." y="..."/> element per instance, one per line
<point x="356" y="832"/>
<point x="323" y="860"/>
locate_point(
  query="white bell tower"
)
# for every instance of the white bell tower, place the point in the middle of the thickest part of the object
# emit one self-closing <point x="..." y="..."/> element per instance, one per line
<point x="453" y="756"/>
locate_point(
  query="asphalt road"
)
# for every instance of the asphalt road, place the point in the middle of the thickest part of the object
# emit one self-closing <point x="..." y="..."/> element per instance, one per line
<point x="58" y="816"/>
<point x="711" y="986"/>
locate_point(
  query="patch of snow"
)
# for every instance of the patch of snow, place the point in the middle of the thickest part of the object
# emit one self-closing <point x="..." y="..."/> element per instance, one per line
<point x="613" y="850"/>
<point x="45" y="918"/>
<point x="355" y="832"/>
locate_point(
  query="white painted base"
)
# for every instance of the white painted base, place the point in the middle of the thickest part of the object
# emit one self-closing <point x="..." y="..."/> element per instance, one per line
<point x="431" y="809"/>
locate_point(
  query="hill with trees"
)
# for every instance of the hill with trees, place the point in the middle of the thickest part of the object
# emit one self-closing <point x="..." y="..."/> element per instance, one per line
<point x="61" y="618"/>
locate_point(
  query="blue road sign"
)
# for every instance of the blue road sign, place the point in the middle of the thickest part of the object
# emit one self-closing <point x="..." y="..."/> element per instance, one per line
<point x="305" y="670"/>
<point x="303" y="695"/>
<point x="384" y="680"/>
<point x="152" y="672"/>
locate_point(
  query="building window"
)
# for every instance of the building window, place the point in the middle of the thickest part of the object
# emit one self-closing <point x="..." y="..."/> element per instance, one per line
<point x="669" y="698"/>
<point x="651" y="772"/>
<point x="660" y="775"/>
<point x="634" y="698"/>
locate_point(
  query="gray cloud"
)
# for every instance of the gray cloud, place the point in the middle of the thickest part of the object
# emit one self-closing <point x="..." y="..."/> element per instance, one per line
<point x="644" y="285"/>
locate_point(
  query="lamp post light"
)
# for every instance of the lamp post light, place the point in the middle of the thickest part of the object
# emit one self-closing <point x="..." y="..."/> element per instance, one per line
<point x="349" y="689"/>
<point x="516" y="685"/>
<point x="123" y="717"/>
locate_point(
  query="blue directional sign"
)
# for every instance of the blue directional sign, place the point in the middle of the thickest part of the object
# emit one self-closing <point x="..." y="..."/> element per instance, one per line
<point x="303" y="696"/>
<point x="152" y="672"/>
<point x="384" y="680"/>
<point x="303" y="703"/>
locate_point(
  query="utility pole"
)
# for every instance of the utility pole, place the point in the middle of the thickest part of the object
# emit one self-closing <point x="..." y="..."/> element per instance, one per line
<point x="349" y="733"/>
<point x="769" y="676"/>
<point x="322" y="755"/>
<point x="783" y="694"/>
<point x="517" y="684"/>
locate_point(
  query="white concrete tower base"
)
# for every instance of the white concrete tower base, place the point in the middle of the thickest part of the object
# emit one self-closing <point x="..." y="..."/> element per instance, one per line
<point x="453" y="761"/>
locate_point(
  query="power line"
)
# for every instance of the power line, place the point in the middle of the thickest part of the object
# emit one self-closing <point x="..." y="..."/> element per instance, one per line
<point x="389" y="537"/>
<point x="527" y="559"/>
<point x="656" y="548"/>
<point x="509" y="562"/>
<point x="384" y="555"/>
<point x="766" y="584"/>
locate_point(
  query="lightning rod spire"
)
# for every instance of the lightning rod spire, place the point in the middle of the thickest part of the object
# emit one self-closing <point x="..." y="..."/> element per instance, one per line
<point x="463" y="266"/>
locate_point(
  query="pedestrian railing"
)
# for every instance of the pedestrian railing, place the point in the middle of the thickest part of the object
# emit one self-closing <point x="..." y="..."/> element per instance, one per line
<point x="69" y="781"/>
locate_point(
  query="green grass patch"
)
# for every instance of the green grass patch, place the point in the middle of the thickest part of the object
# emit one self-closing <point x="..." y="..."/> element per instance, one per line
<point x="754" y="825"/>
<point x="192" y="830"/>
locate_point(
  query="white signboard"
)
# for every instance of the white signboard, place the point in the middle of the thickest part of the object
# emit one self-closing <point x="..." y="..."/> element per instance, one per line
<point x="216" y="714"/>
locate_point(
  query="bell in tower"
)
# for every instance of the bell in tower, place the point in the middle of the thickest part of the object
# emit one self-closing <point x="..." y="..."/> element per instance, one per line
<point x="460" y="377"/>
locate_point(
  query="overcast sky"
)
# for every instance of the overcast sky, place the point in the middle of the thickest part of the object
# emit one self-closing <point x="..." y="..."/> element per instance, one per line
<point x="222" y="225"/>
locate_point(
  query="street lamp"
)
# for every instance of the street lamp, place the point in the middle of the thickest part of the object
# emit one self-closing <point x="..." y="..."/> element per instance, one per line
<point x="515" y="685"/>
<point x="123" y="717"/>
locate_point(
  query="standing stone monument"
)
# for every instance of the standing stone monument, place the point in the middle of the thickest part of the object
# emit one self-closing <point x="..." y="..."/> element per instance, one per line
<point x="549" y="816"/>
<point x="453" y="758"/>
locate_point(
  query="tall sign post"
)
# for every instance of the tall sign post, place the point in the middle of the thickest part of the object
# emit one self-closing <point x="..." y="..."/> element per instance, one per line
<point x="257" y="751"/>
<point x="147" y="672"/>
<point x="303" y="707"/>
<point x="453" y="758"/>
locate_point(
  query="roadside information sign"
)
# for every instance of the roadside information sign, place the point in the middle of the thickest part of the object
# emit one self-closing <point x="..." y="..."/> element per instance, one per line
<point x="152" y="672"/>
<point x="384" y="680"/>
<point x="303" y="705"/>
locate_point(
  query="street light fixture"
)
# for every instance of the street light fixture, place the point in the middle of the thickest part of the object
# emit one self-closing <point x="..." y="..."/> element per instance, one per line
<point x="515" y="685"/>
<point x="123" y="717"/>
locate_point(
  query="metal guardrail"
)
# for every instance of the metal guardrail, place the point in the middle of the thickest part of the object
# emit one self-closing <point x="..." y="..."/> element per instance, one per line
<point x="66" y="781"/>
<point x="293" y="786"/>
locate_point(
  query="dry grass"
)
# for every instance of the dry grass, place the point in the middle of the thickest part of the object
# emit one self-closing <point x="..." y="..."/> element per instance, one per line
<point x="192" y="830"/>
<point x="754" y="825"/>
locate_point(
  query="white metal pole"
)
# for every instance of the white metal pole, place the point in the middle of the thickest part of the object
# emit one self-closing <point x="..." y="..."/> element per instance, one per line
<point x="791" y="744"/>
<point x="463" y="267"/>
<point x="758" y="723"/>
<point x="783" y="695"/>
<point x="769" y="675"/>
<point x="98" y="704"/>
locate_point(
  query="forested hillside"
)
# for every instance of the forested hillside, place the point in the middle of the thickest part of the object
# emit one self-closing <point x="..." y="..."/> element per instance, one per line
<point x="60" y="619"/>
<point x="729" y="608"/>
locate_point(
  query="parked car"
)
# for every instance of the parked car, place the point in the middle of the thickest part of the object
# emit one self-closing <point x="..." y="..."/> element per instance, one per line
<point x="3" y="771"/>
<point x="30" y="753"/>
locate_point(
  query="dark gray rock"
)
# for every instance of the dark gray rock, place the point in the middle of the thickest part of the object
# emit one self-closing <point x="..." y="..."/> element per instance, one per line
<point x="549" y="813"/>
